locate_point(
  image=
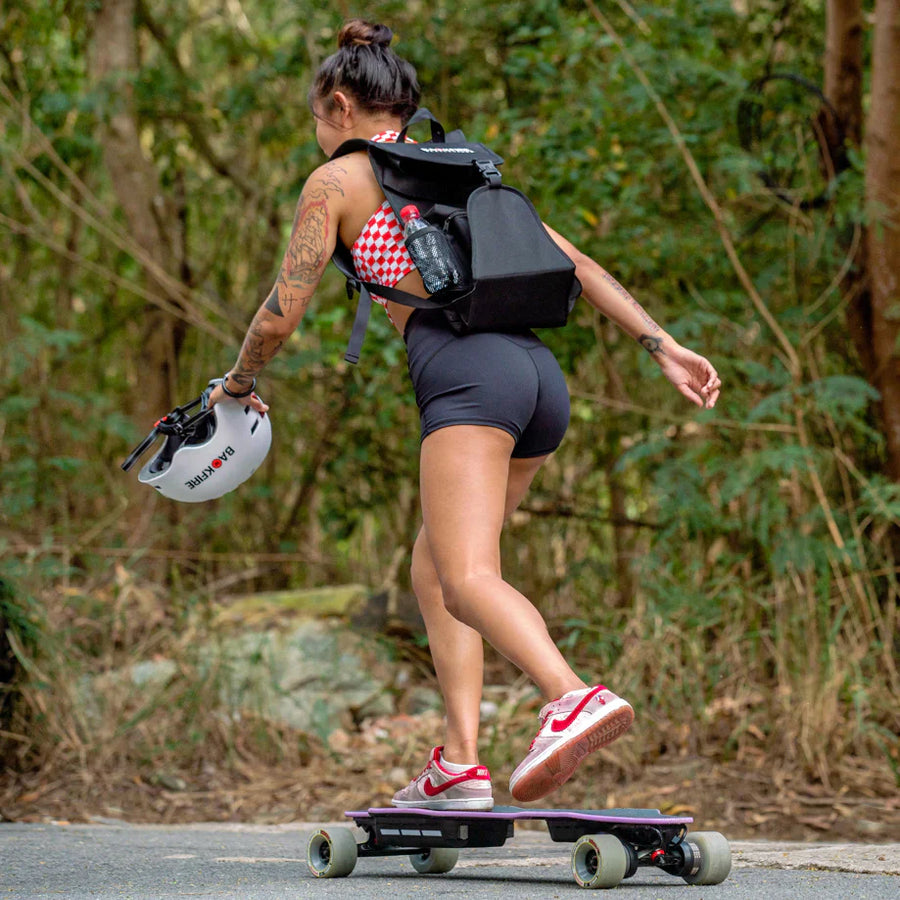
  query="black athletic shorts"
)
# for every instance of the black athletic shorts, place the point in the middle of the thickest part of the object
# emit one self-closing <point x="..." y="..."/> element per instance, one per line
<point x="508" y="381"/>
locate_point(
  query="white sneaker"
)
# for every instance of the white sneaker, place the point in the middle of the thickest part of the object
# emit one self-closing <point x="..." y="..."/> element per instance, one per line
<point x="576" y="724"/>
<point x="438" y="788"/>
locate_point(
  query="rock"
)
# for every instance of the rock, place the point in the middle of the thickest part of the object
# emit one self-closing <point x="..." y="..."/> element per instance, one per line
<point x="167" y="781"/>
<point x="269" y="607"/>
<point x="392" y="609"/>
<point x="153" y="673"/>
<point x="309" y="678"/>
<point x="285" y="656"/>
<point x="383" y="704"/>
<point x="489" y="710"/>
<point x="423" y="699"/>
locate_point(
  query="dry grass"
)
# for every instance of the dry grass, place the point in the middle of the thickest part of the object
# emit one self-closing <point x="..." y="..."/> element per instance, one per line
<point x="787" y="733"/>
<point x="774" y="697"/>
<point x="745" y="797"/>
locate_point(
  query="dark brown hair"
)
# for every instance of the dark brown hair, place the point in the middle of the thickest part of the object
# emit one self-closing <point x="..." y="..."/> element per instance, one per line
<point x="366" y="67"/>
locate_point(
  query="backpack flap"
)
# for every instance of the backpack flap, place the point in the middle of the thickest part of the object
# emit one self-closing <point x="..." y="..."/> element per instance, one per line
<point x="445" y="169"/>
<point x="430" y="173"/>
<point x="523" y="279"/>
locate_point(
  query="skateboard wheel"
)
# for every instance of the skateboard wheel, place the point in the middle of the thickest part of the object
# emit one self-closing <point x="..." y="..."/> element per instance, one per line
<point x="435" y="860"/>
<point x="331" y="853"/>
<point x="599" y="861"/>
<point x="715" y="857"/>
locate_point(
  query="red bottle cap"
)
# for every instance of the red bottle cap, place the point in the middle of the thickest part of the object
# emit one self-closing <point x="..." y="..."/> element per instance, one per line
<point x="410" y="212"/>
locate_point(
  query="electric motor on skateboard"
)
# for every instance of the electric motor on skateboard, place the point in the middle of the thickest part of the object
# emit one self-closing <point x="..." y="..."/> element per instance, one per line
<point x="608" y="845"/>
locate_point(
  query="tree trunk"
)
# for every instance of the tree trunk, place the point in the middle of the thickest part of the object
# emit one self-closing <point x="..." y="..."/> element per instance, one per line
<point x="844" y="66"/>
<point x="883" y="206"/>
<point x="843" y="89"/>
<point x="153" y="224"/>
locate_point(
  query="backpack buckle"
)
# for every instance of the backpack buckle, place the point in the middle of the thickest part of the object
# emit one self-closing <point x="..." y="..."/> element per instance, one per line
<point x="489" y="172"/>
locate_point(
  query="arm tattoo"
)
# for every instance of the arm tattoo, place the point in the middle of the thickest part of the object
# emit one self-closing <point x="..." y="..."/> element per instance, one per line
<point x="330" y="178"/>
<point x="256" y="352"/>
<point x="306" y="257"/>
<point x="645" y="318"/>
<point x="304" y="260"/>
<point x="652" y="344"/>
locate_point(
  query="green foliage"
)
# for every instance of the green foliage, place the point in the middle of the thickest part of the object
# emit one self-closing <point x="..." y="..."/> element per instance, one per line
<point x="19" y="613"/>
<point x="752" y="534"/>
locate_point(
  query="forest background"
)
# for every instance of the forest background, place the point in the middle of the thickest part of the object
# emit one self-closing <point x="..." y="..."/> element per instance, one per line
<point x="733" y="571"/>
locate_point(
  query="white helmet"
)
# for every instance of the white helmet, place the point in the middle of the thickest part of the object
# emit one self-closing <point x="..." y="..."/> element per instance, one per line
<point x="205" y="455"/>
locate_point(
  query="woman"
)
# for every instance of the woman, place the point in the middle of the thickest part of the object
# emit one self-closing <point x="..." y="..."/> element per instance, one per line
<point x="493" y="408"/>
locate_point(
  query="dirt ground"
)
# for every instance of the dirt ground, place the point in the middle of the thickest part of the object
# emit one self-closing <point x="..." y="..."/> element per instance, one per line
<point x="363" y="768"/>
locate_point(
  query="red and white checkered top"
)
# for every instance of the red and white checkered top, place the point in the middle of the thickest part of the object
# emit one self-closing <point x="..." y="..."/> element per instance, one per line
<point x="379" y="253"/>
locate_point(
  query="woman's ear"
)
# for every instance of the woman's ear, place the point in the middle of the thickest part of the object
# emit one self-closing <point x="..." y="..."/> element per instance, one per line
<point x="344" y="106"/>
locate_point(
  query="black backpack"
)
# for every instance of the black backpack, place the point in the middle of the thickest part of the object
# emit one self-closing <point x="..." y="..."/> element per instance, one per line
<point x="514" y="276"/>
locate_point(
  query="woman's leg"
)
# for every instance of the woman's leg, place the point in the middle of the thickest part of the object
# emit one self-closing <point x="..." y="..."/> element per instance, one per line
<point x="458" y="655"/>
<point x="456" y="649"/>
<point x="465" y="475"/>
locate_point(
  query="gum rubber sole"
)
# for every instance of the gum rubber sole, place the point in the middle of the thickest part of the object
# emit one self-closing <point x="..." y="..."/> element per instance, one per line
<point x="560" y="765"/>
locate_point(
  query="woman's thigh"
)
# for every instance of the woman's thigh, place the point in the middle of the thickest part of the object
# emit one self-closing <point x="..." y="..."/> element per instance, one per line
<point x="463" y="478"/>
<point x="521" y="474"/>
<point x="469" y="487"/>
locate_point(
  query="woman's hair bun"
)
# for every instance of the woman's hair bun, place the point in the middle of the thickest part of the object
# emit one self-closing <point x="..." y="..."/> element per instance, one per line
<point x="359" y="33"/>
<point x="366" y="67"/>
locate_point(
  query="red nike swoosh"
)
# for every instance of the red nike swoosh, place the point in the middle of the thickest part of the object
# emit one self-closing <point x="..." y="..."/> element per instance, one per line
<point x="558" y="725"/>
<point x="432" y="790"/>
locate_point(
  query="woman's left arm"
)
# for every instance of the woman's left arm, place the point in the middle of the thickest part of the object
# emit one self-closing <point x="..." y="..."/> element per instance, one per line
<point x="692" y="374"/>
<point x="313" y="238"/>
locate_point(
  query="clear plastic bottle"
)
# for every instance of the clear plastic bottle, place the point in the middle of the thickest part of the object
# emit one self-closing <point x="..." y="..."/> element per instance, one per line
<point x="430" y="251"/>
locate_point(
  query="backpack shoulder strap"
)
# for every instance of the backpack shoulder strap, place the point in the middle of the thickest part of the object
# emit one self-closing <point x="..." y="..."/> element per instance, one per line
<point x="354" y="145"/>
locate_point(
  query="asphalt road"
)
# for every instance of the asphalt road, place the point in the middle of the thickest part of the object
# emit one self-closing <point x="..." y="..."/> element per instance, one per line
<point x="263" y="863"/>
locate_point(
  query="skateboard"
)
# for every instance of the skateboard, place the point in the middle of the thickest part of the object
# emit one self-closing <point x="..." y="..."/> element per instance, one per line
<point x="609" y="844"/>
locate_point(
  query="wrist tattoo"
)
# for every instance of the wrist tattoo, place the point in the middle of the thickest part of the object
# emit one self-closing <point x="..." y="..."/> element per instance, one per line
<point x="652" y="344"/>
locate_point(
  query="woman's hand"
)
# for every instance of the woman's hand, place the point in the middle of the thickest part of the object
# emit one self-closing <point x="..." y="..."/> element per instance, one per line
<point x="692" y="374"/>
<point x="251" y="400"/>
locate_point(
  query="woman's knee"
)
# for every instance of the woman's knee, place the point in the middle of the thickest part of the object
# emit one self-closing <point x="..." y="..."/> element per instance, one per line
<point x="464" y="590"/>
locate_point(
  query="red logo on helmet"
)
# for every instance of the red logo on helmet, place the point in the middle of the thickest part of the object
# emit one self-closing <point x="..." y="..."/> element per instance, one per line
<point x="211" y="469"/>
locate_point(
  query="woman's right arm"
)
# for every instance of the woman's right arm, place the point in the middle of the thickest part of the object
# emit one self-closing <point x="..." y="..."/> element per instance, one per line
<point x="313" y="238"/>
